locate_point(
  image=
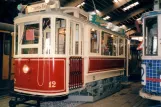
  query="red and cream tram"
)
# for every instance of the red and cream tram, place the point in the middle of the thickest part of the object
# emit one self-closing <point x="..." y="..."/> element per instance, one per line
<point x="58" y="51"/>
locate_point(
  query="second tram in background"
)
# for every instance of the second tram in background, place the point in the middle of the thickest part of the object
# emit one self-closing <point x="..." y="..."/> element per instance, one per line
<point x="59" y="52"/>
<point x="151" y="59"/>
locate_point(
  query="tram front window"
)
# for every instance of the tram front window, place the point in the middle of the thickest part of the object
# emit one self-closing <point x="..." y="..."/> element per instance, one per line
<point x="151" y="36"/>
<point x="29" y="35"/>
<point x="46" y="39"/>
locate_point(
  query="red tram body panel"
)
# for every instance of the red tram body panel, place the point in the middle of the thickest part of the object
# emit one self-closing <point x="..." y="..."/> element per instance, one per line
<point x="44" y="76"/>
<point x="101" y="64"/>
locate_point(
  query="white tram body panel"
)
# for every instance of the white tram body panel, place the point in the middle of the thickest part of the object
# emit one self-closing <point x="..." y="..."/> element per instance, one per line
<point x="60" y="51"/>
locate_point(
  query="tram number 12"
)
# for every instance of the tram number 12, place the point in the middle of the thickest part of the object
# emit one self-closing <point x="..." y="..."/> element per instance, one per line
<point x="52" y="84"/>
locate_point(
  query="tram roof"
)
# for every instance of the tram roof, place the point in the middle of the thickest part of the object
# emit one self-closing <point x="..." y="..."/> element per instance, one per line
<point x="151" y="13"/>
<point x="60" y="12"/>
<point x="6" y="28"/>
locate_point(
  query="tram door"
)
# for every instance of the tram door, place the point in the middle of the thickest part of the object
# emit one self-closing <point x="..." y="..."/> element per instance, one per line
<point x="6" y="54"/>
<point x="1" y="54"/>
<point x="75" y="52"/>
<point x="5" y="49"/>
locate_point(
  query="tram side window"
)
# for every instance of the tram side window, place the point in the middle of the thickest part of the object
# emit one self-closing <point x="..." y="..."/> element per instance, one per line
<point x="114" y="45"/>
<point x="60" y="39"/>
<point x="108" y="44"/>
<point x="151" y="36"/>
<point x="77" y="39"/>
<point x="29" y="50"/>
<point x="71" y="39"/>
<point x="94" y="41"/>
<point x="46" y="38"/>
<point x="121" y="46"/>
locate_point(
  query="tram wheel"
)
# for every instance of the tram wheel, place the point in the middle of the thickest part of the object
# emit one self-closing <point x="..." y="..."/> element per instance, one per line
<point x="12" y="103"/>
<point x="38" y="103"/>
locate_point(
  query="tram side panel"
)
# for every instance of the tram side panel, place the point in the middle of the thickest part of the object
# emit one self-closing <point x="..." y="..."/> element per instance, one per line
<point x="101" y="64"/>
<point x="102" y="61"/>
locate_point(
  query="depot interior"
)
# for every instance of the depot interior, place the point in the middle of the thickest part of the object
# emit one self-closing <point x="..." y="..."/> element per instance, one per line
<point x="125" y="14"/>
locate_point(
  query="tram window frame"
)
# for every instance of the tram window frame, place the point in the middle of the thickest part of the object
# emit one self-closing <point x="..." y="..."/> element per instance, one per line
<point x="105" y="47"/>
<point x="16" y="39"/>
<point x="93" y="39"/>
<point x="61" y="29"/>
<point x="46" y="35"/>
<point x="32" y="46"/>
<point x="78" y="34"/>
<point x="75" y="38"/>
<point x="71" y="46"/>
<point x="23" y="36"/>
<point x="123" y="48"/>
<point x="149" y="30"/>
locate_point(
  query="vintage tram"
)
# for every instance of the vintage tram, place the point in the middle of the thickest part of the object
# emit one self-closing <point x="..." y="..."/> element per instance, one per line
<point x="151" y="59"/>
<point x="151" y="56"/>
<point x="58" y="52"/>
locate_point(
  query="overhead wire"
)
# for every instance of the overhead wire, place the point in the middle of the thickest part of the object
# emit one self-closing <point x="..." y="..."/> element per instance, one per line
<point x="94" y="7"/>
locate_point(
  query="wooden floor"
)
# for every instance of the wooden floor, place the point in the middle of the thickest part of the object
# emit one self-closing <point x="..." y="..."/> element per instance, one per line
<point x="127" y="97"/>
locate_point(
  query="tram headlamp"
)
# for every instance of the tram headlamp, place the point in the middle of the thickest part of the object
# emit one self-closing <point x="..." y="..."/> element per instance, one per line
<point x="25" y="69"/>
<point x="21" y="7"/>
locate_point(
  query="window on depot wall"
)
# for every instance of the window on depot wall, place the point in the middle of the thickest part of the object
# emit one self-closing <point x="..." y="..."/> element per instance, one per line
<point x="94" y="41"/>
<point x="108" y="44"/>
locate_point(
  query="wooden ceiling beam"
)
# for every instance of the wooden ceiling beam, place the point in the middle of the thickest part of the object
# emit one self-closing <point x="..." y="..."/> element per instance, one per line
<point x="73" y="3"/>
<point x="114" y="6"/>
<point x="134" y="13"/>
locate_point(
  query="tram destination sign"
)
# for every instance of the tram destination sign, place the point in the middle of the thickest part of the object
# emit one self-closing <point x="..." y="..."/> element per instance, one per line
<point x="39" y="7"/>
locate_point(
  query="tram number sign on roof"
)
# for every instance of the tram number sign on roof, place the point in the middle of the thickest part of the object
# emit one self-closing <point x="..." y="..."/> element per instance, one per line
<point x="39" y="7"/>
